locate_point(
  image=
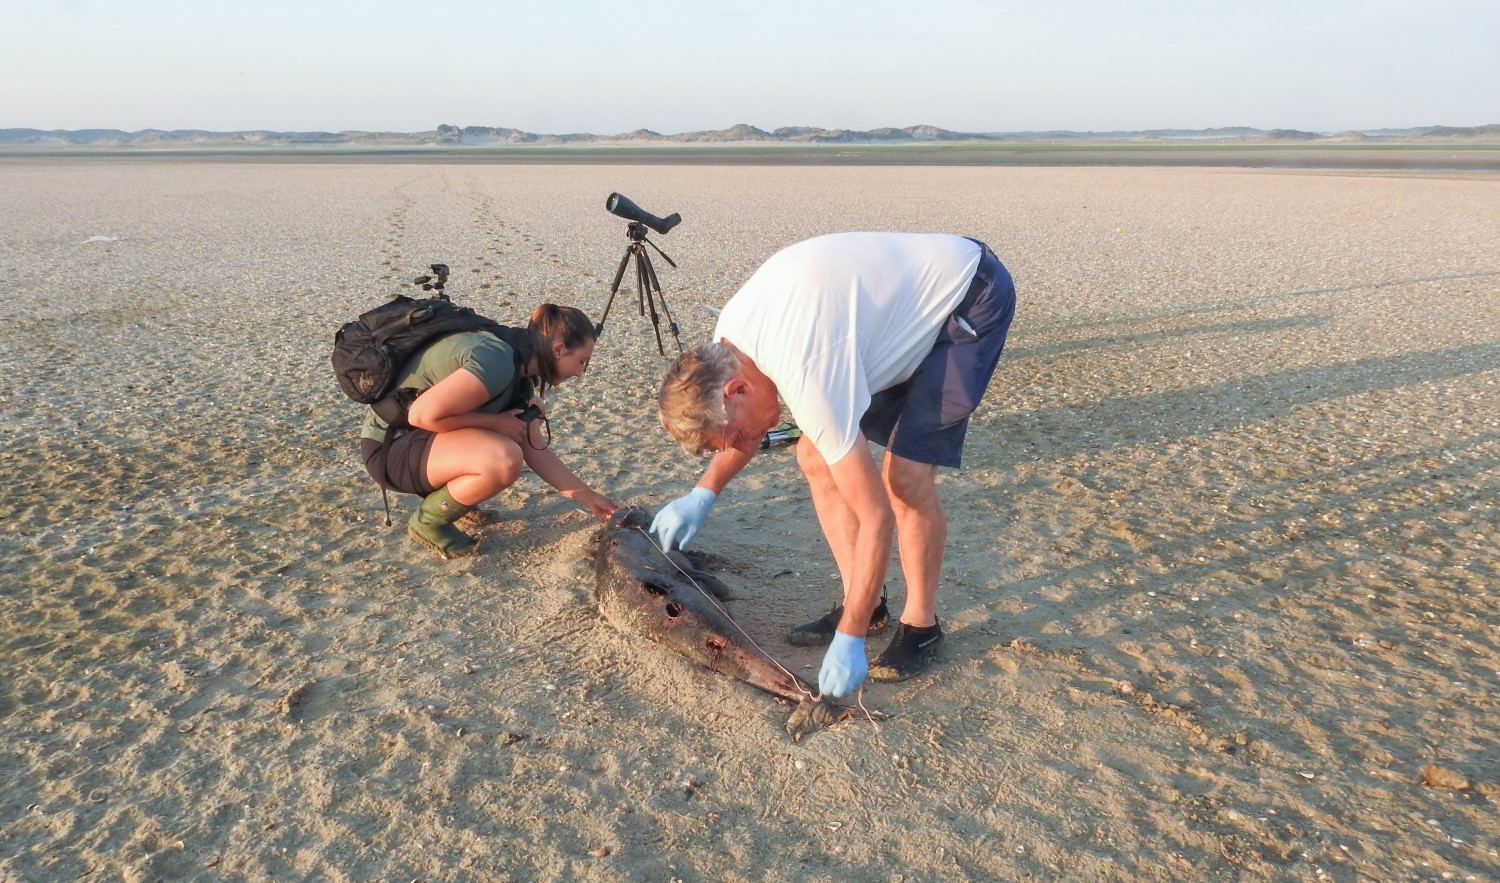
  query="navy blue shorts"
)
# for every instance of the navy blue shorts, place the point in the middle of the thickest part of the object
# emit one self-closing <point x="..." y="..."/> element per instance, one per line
<point x="402" y="467"/>
<point x="925" y="418"/>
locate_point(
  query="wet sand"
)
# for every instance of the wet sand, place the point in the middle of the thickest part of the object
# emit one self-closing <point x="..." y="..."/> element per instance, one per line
<point x="1220" y="587"/>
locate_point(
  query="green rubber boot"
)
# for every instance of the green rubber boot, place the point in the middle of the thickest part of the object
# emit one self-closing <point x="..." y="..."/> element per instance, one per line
<point x="432" y="525"/>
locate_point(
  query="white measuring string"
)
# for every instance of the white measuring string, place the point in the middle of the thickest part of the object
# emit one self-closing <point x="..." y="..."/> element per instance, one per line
<point x="720" y="607"/>
<point x="859" y="695"/>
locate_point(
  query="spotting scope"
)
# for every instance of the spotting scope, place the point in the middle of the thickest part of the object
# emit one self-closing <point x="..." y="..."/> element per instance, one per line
<point x="624" y="208"/>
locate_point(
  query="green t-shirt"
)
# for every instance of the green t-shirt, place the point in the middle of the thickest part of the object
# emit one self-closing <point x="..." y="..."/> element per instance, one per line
<point x="480" y="353"/>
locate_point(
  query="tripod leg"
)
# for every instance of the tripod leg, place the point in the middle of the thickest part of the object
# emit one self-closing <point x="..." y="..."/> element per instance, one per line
<point x="671" y="323"/>
<point x="620" y="270"/>
<point x="655" y="287"/>
<point x="640" y="276"/>
<point x="643" y="278"/>
<point x="613" y="288"/>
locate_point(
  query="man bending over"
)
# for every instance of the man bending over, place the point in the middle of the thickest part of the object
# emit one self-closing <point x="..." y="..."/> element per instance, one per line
<point x="883" y="337"/>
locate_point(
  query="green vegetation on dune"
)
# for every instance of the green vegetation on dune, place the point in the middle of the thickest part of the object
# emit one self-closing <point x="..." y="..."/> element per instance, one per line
<point x="1444" y="156"/>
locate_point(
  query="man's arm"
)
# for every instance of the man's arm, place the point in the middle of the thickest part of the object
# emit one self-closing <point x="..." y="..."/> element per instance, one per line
<point x="724" y="466"/>
<point x="858" y="481"/>
<point x="679" y="520"/>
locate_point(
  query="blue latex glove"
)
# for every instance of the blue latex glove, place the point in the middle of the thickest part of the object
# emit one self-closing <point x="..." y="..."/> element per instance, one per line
<point x="844" y="666"/>
<point x="677" y="521"/>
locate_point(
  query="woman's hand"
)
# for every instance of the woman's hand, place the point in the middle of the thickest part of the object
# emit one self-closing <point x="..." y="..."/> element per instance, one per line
<point x="514" y="428"/>
<point x="594" y="501"/>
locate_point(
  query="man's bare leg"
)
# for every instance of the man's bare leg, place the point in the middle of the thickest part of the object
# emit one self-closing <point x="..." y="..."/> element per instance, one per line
<point x="839" y="525"/>
<point x="921" y="533"/>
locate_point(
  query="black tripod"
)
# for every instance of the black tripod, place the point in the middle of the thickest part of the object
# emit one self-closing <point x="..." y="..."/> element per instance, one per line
<point x="645" y="284"/>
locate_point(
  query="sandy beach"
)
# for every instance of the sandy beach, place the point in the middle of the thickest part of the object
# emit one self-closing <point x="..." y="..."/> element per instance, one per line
<point x="1221" y="587"/>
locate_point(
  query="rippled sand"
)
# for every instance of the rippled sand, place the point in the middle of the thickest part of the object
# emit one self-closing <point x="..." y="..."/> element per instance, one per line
<point x="1221" y="589"/>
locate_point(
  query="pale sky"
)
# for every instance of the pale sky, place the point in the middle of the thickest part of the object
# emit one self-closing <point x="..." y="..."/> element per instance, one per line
<point x="608" y="66"/>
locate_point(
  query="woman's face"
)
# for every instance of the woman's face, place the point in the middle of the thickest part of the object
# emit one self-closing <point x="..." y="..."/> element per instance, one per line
<point x="572" y="362"/>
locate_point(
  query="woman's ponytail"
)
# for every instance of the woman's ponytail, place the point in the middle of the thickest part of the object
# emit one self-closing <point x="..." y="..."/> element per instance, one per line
<point x="551" y="324"/>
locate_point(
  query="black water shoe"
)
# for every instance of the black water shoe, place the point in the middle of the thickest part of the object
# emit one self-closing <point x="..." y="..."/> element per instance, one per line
<point x="820" y="631"/>
<point x="909" y="652"/>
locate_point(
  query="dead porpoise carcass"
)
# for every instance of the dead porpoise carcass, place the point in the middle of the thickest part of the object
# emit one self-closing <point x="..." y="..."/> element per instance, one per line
<point x="665" y="597"/>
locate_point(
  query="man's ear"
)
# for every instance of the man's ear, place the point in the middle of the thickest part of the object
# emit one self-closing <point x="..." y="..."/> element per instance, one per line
<point x="737" y="386"/>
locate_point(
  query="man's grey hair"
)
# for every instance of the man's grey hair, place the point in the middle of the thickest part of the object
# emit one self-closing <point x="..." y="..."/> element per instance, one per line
<point x="691" y="401"/>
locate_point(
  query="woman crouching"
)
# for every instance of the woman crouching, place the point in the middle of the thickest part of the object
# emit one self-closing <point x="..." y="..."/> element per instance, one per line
<point x="467" y="442"/>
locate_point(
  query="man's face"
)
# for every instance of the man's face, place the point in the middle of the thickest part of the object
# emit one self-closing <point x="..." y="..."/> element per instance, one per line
<point x="746" y="427"/>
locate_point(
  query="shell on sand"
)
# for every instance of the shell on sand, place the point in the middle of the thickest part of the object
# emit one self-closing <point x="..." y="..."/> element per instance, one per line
<point x="1436" y="776"/>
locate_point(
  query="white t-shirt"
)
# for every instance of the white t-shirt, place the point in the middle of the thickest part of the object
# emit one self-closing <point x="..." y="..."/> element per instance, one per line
<point x="834" y="319"/>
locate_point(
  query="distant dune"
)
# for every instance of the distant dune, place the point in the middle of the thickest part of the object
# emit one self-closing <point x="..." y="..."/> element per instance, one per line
<point x="448" y="136"/>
